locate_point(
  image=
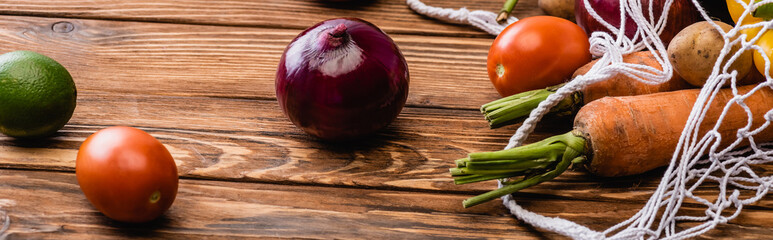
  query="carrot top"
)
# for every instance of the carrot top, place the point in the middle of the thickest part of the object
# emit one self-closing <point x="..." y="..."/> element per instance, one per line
<point x="524" y="166"/>
<point x="517" y="107"/>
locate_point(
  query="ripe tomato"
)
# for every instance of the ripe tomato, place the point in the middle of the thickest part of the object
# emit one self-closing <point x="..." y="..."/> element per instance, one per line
<point x="126" y="174"/>
<point x="536" y="52"/>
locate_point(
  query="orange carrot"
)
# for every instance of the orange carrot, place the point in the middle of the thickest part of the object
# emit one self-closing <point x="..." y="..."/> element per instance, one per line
<point x="615" y="136"/>
<point x="632" y="135"/>
<point x="515" y="108"/>
<point x="623" y="85"/>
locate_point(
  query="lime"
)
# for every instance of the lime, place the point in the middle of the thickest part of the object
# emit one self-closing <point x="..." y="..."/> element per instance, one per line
<point x="37" y="95"/>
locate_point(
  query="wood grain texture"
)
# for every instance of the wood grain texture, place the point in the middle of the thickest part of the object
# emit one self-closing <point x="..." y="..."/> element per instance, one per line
<point x="226" y="210"/>
<point x="251" y="140"/>
<point x="199" y="76"/>
<point x="393" y="16"/>
<point x="233" y="62"/>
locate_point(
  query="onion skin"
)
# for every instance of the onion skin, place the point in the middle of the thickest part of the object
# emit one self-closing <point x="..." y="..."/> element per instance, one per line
<point x="342" y="79"/>
<point x="681" y="14"/>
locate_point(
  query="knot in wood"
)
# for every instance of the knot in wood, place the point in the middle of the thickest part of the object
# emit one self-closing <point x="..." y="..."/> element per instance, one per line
<point x="63" y="27"/>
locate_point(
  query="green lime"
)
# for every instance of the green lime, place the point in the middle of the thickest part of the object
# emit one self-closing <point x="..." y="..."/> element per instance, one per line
<point x="37" y="95"/>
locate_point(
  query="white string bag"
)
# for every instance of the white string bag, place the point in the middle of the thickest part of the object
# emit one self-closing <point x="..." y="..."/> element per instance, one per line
<point x="726" y="170"/>
<point x="484" y="20"/>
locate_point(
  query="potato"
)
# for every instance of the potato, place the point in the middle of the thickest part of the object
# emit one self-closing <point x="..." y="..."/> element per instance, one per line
<point x="695" y="49"/>
<point x="558" y="8"/>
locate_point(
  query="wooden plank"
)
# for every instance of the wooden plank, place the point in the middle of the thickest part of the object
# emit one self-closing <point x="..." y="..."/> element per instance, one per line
<point x="238" y="134"/>
<point x="225" y="210"/>
<point x="250" y="140"/>
<point x="393" y="15"/>
<point x="220" y="210"/>
<point x="235" y="62"/>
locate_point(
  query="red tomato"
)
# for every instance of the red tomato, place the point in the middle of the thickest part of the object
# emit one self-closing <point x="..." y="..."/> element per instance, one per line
<point x="536" y="52"/>
<point x="126" y="174"/>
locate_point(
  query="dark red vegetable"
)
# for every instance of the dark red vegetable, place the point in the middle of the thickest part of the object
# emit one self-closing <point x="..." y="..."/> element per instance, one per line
<point x="342" y="79"/>
<point x="681" y="14"/>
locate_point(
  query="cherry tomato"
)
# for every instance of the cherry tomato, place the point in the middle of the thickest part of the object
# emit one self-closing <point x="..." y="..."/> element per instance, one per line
<point x="126" y="174"/>
<point x="536" y="52"/>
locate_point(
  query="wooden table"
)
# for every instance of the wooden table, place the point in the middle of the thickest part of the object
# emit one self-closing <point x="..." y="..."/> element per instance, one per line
<point x="199" y="76"/>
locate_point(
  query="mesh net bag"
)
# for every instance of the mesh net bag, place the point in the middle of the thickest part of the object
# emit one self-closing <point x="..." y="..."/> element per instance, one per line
<point x="730" y="171"/>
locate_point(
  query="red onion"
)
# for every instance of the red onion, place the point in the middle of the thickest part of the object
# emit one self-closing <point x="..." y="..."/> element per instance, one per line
<point x="342" y="79"/>
<point x="681" y="14"/>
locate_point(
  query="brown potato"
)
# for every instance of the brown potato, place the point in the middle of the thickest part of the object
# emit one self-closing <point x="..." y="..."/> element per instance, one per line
<point x="558" y="8"/>
<point x="695" y="49"/>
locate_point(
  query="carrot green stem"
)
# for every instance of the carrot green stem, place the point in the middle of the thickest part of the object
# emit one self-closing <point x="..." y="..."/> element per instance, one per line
<point x="508" y="164"/>
<point x="537" y="162"/>
<point x="506" y="9"/>
<point x="477" y="178"/>
<point x="516" y="108"/>
<point x="462" y="162"/>
<point x="765" y="11"/>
